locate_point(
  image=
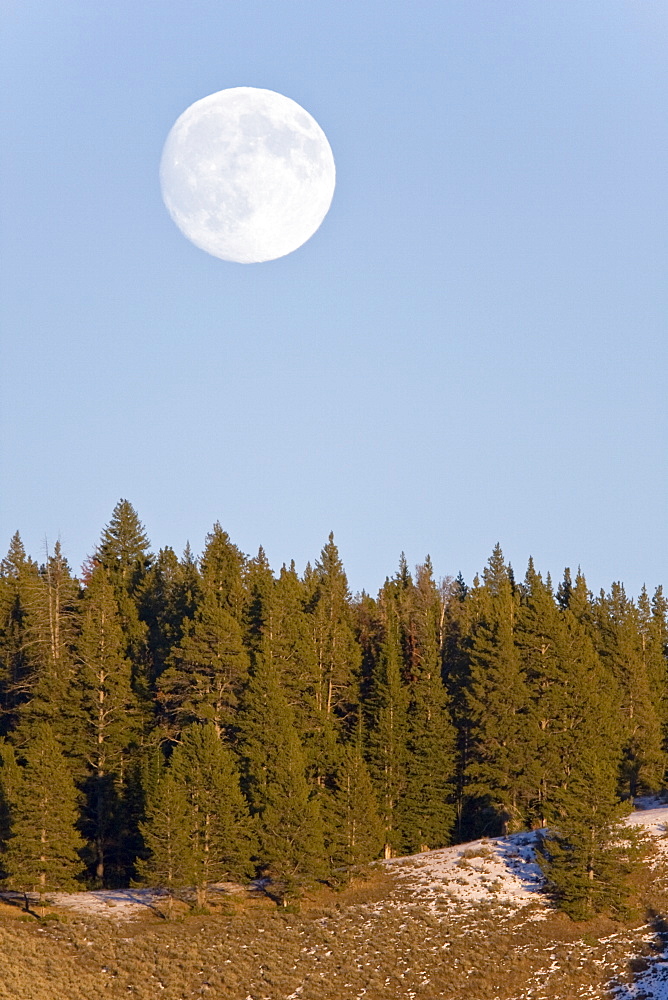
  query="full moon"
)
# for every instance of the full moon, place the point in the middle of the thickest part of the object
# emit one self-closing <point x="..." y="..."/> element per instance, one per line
<point x="247" y="174"/>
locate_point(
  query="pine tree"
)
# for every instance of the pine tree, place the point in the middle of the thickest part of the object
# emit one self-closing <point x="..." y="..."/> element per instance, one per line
<point x="388" y="732"/>
<point x="109" y="721"/>
<point x="334" y="686"/>
<point x="123" y="553"/>
<point x="353" y="815"/>
<point x="546" y="663"/>
<point x="459" y="616"/>
<point x="206" y="672"/>
<point x="204" y="772"/>
<point x="498" y="704"/>
<point x="124" y="547"/>
<point x="653" y="639"/>
<point x="166" y="833"/>
<point x="427" y="811"/>
<point x="222" y="568"/>
<point x="289" y="824"/>
<point x="169" y="597"/>
<point x="10" y="783"/>
<point x="18" y="574"/>
<point x="259" y="610"/>
<point x="294" y="654"/>
<point x="337" y="652"/>
<point x="620" y="647"/>
<point x="43" y="852"/>
<point x="586" y="857"/>
<point x="51" y="624"/>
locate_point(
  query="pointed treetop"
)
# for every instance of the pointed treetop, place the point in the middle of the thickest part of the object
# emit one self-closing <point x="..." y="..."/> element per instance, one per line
<point x="222" y="564"/>
<point x="16" y="560"/>
<point x="329" y="572"/>
<point x="124" y="545"/>
<point x="403" y="576"/>
<point x="564" y="590"/>
<point x="460" y="588"/>
<point x="496" y="574"/>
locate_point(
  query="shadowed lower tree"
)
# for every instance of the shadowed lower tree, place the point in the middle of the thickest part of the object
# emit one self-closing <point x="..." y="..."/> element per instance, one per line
<point x="110" y="724"/>
<point x="388" y="732"/>
<point x="289" y="823"/>
<point x="352" y="814"/>
<point x="203" y="772"/>
<point x="166" y="833"/>
<point x="587" y="857"/>
<point x="501" y="754"/>
<point x="43" y="851"/>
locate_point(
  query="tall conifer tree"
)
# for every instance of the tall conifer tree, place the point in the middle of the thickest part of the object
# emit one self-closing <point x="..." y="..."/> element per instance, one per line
<point x="204" y="771"/>
<point x="18" y="575"/>
<point x="498" y="703"/>
<point x="43" y="852"/>
<point x="426" y="811"/>
<point x="621" y="651"/>
<point x="51" y="625"/>
<point x="124" y="554"/>
<point x="388" y="731"/>
<point x="110" y="720"/>
<point x="289" y="823"/>
<point x="206" y="672"/>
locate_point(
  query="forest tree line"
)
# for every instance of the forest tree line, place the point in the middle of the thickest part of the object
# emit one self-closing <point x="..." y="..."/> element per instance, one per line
<point x="184" y="721"/>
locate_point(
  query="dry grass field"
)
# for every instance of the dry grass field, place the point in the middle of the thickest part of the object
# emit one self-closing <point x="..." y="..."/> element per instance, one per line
<point x="449" y="924"/>
<point x="373" y="940"/>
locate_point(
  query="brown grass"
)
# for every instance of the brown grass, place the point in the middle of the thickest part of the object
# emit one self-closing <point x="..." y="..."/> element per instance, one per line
<point x="369" y="940"/>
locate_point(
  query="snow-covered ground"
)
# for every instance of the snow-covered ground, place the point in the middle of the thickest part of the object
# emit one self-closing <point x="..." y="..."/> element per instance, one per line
<point x="650" y="979"/>
<point x="501" y="870"/>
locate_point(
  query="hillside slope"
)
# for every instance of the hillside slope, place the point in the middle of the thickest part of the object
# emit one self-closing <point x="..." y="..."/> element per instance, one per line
<point x="467" y="923"/>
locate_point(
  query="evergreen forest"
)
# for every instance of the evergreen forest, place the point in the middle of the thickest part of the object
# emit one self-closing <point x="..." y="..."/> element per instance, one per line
<point x="177" y="721"/>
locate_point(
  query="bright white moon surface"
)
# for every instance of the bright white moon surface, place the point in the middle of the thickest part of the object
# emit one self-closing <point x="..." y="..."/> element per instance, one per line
<point x="247" y="174"/>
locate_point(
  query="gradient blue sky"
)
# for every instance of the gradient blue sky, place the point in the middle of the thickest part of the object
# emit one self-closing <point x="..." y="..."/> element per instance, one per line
<point x="471" y="349"/>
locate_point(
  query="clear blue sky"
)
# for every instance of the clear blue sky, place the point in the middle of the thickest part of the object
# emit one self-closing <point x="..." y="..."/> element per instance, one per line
<point x="471" y="349"/>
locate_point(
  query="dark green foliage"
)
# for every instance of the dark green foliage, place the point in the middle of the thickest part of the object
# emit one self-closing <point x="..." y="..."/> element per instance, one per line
<point x="623" y="653"/>
<point x="498" y="703"/>
<point x="123" y="554"/>
<point x="204" y="788"/>
<point x="388" y="732"/>
<point x="427" y="808"/>
<point x="361" y="727"/>
<point x="169" y="598"/>
<point x="109" y="724"/>
<point x="222" y="569"/>
<point x="51" y="629"/>
<point x="166" y="835"/>
<point x="292" y="851"/>
<point x="206" y="672"/>
<point x="586" y="856"/>
<point x="43" y="849"/>
<point x="124" y="547"/>
<point x="18" y="576"/>
<point x="352" y="814"/>
<point x="337" y="653"/>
